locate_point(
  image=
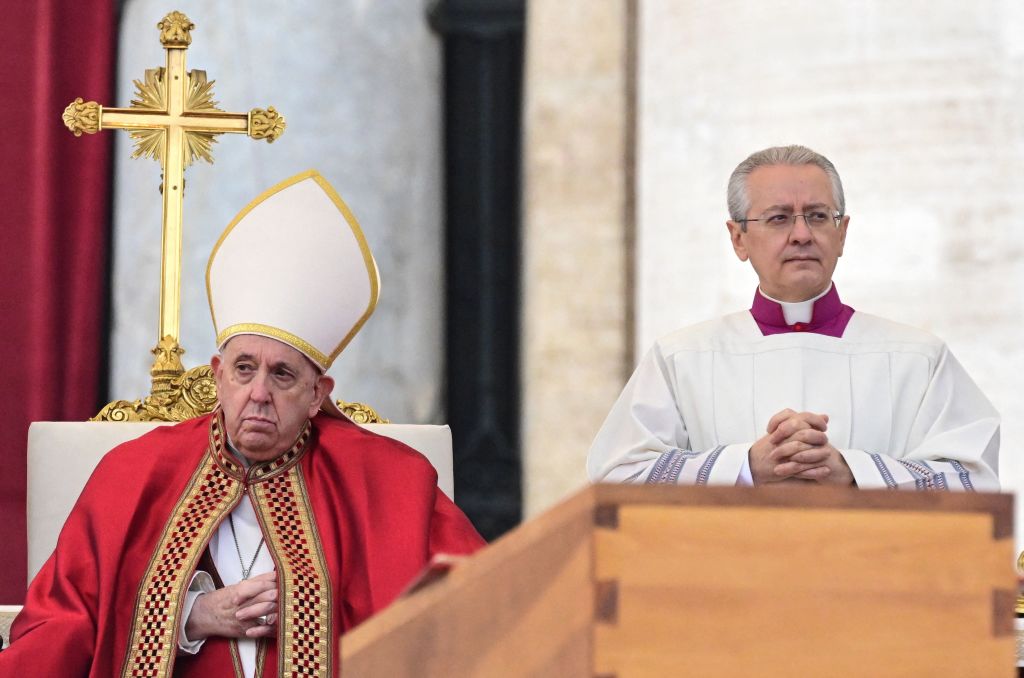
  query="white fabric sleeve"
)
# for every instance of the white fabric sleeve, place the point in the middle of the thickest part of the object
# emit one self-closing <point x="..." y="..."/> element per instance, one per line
<point x="644" y="438"/>
<point x="953" y="442"/>
<point x="746" y="478"/>
<point x="201" y="583"/>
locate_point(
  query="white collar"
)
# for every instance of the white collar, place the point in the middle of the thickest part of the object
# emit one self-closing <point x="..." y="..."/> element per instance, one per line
<point x="797" y="311"/>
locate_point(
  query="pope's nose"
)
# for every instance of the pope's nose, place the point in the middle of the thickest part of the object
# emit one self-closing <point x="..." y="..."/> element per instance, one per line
<point x="259" y="392"/>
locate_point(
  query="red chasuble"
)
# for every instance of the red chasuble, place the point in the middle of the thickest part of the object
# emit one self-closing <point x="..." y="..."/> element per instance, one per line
<point x="350" y="518"/>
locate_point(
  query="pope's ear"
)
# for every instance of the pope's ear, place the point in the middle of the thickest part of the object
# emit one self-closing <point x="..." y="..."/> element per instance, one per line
<point x="736" y="234"/>
<point x="322" y="390"/>
<point x="215" y="363"/>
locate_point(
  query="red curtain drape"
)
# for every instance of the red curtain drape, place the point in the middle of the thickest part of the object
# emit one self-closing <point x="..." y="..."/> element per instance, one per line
<point x="54" y="205"/>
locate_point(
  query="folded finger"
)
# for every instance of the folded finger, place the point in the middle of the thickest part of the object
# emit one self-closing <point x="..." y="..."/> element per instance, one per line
<point x="786" y="450"/>
<point x="816" y="473"/>
<point x="812" y="455"/>
<point x="250" y="612"/>
<point x="266" y="596"/>
<point x="261" y="631"/>
<point x="787" y="428"/>
<point x="807" y="436"/>
<point x="250" y="588"/>
<point x="265" y="577"/>
<point x="793" y="468"/>
<point x="816" y="421"/>
<point x="778" y="418"/>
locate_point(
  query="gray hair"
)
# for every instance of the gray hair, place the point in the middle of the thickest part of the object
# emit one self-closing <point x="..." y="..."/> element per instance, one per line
<point x="739" y="199"/>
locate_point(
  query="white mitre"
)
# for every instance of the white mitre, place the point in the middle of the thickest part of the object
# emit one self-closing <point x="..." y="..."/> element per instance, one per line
<point x="294" y="266"/>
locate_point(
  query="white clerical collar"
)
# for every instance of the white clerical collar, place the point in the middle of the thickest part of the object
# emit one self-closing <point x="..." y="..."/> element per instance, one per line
<point x="797" y="311"/>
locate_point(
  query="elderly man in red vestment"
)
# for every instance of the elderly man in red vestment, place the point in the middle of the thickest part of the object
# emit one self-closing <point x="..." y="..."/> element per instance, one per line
<point x="244" y="542"/>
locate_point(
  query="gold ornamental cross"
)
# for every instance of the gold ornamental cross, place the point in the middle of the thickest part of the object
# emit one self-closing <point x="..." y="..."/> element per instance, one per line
<point x="174" y="120"/>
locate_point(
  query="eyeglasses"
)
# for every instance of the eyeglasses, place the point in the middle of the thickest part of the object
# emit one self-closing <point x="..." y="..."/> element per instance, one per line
<point x="783" y="221"/>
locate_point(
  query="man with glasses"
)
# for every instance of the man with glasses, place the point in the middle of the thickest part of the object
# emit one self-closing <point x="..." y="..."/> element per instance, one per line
<point x="800" y="388"/>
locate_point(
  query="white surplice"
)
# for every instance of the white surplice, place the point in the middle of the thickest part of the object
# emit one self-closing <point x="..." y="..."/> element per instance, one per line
<point x="902" y="411"/>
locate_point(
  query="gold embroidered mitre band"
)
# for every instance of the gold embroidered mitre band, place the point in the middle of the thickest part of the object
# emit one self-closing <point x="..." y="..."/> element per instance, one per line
<point x="294" y="266"/>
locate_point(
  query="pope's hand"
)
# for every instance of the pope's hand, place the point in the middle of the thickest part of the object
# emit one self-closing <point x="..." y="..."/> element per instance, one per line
<point x="236" y="611"/>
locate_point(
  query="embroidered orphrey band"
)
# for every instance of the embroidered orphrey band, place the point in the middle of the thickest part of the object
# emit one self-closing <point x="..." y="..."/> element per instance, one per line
<point x="304" y="634"/>
<point x="208" y="495"/>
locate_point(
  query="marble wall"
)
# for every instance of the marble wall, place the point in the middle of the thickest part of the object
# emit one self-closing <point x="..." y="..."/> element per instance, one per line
<point x="359" y="83"/>
<point x="919" y="105"/>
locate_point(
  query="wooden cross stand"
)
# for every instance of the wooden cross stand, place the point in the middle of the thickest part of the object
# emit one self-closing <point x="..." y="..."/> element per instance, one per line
<point x="174" y="120"/>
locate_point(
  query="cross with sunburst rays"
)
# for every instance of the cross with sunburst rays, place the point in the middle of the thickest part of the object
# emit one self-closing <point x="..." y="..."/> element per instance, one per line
<point x="174" y="120"/>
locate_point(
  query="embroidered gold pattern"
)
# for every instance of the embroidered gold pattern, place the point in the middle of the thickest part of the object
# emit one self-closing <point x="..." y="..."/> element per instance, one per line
<point x="208" y="495"/>
<point x="304" y="634"/>
<point x="280" y="499"/>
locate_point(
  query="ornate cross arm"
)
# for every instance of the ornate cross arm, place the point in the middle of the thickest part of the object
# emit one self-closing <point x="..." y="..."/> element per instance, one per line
<point x="88" y="117"/>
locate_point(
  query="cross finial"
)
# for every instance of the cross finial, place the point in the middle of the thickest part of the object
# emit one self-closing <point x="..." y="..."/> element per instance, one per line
<point x="175" y="30"/>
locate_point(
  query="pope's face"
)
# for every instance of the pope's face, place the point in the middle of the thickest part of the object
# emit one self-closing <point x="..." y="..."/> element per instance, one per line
<point x="794" y="263"/>
<point x="267" y="391"/>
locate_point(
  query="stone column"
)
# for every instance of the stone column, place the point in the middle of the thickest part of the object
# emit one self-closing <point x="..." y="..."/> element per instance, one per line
<point x="578" y="234"/>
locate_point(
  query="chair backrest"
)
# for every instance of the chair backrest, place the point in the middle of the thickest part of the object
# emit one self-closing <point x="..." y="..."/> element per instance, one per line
<point x="62" y="456"/>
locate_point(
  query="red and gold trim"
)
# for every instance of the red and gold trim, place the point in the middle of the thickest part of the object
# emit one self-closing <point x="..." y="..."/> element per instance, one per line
<point x="304" y="632"/>
<point x="280" y="496"/>
<point x="209" y="494"/>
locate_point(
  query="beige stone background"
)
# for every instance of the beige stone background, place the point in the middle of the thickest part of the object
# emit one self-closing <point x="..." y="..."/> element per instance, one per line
<point x="577" y="236"/>
<point x="917" y="103"/>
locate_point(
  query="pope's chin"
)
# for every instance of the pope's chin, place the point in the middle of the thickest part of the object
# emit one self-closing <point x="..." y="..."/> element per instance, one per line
<point x="256" y="440"/>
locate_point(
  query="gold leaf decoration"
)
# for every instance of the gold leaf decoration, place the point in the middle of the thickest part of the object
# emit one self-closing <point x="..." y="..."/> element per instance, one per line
<point x="200" y="93"/>
<point x="199" y="145"/>
<point x="82" y="116"/>
<point x="148" y="144"/>
<point x="168" y="354"/>
<point x="150" y="92"/>
<point x="189" y="395"/>
<point x="175" y="30"/>
<point x="1019" y="607"/>
<point x="361" y="413"/>
<point x="266" y="124"/>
